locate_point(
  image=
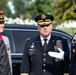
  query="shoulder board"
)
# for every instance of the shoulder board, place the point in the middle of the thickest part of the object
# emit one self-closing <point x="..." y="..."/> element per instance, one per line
<point x="28" y="39"/>
<point x="64" y="38"/>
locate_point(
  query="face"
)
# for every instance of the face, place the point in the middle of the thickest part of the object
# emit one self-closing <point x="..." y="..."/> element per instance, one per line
<point x="1" y="26"/>
<point x="45" y="31"/>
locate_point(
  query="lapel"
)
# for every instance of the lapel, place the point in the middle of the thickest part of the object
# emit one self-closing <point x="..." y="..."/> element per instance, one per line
<point x="38" y="43"/>
<point x="51" y="43"/>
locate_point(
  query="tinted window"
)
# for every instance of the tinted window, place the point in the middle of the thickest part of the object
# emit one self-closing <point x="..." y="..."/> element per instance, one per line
<point x="20" y="38"/>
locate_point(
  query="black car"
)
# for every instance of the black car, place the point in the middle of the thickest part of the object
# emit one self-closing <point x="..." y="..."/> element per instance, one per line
<point x="18" y="34"/>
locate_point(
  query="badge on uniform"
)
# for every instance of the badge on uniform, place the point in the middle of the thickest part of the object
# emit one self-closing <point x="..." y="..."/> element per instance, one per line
<point x="59" y="44"/>
<point x="31" y="50"/>
<point x="7" y="46"/>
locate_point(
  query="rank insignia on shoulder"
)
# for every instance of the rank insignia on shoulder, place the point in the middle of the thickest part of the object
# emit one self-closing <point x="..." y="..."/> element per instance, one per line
<point x="28" y="39"/>
<point x="37" y="41"/>
<point x="64" y="37"/>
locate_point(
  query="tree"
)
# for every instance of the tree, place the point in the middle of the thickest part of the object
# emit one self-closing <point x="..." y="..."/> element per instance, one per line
<point x="39" y="6"/>
<point x="4" y="6"/>
<point x="63" y="10"/>
<point x="19" y="8"/>
<point x="29" y="8"/>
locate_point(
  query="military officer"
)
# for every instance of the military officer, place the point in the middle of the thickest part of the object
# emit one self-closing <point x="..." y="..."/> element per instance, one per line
<point x="36" y="57"/>
<point x="73" y="53"/>
<point x="4" y="60"/>
<point x="7" y="44"/>
<point x="73" y="56"/>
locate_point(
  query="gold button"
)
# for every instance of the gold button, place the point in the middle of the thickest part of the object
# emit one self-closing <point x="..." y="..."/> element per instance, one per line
<point x="66" y="74"/>
<point x="44" y="59"/>
<point x="44" y="64"/>
<point x="56" y="60"/>
<point x="44" y="70"/>
<point x="44" y="54"/>
<point x="74" y="51"/>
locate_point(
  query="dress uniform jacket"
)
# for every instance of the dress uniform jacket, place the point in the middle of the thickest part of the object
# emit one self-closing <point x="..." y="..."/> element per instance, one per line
<point x="7" y="44"/>
<point x="4" y="61"/>
<point x="73" y="61"/>
<point x="36" y="61"/>
<point x="73" y="64"/>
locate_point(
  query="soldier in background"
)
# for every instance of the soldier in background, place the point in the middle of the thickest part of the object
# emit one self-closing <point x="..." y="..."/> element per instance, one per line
<point x="5" y="57"/>
<point x="73" y="53"/>
<point x="73" y="56"/>
<point x="7" y="44"/>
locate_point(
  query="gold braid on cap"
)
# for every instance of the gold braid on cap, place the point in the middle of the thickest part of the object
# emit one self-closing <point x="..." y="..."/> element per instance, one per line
<point x="40" y="22"/>
<point x="46" y="22"/>
<point x="1" y="16"/>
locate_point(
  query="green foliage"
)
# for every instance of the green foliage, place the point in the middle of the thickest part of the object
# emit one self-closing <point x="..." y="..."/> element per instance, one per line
<point x="28" y="8"/>
<point x="4" y="6"/>
<point x="39" y="6"/>
<point x="63" y="10"/>
<point x="19" y="8"/>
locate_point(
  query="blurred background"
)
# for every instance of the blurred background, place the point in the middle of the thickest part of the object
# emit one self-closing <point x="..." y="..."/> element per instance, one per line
<point x="24" y="11"/>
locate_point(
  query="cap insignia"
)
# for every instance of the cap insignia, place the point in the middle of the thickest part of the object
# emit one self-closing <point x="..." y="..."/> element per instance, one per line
<point x="43" y="16"/>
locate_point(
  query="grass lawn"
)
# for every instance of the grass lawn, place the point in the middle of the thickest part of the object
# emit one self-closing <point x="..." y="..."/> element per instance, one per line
<point x="70" y="31"/>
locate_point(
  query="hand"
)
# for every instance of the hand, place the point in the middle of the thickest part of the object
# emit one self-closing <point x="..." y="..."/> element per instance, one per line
<point x="59" y="55"/>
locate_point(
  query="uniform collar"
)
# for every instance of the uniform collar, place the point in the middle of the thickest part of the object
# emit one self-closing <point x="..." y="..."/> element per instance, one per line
<point x="42" y="39"/>
<point x="48" y="38"/>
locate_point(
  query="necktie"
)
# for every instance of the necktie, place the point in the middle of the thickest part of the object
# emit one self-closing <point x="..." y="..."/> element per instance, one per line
<point x="45" y="44"/>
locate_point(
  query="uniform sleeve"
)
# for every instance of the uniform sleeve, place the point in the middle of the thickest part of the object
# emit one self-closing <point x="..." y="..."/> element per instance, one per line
<point x="4" y="61"/>
<point x="7" y="44"/>
<point x="66" y="61"/>
<point x="73" y="60"/>
<point x="25" y="67"/>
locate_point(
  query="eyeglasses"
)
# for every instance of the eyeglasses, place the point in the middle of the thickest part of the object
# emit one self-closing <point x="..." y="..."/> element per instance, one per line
<point x="45" y="25"/>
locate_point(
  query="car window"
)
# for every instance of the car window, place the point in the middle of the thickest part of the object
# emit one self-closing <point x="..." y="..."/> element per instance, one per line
<point x="20" y="38"/>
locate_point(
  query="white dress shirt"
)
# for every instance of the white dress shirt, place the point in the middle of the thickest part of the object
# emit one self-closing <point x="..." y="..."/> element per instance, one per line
<point x="42" y="39"/>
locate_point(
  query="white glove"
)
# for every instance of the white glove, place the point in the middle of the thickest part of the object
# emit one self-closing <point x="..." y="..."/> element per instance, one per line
<point x="59" y="55"/>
